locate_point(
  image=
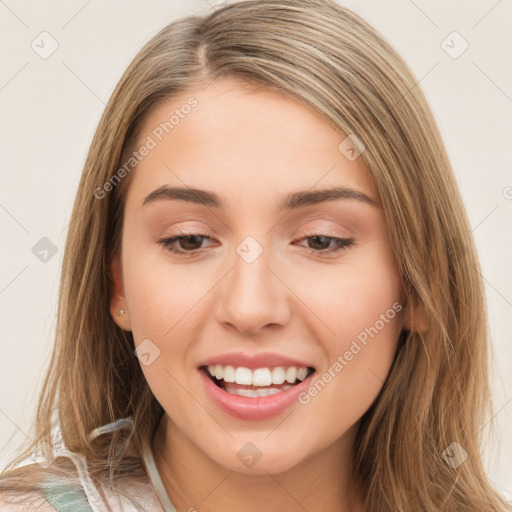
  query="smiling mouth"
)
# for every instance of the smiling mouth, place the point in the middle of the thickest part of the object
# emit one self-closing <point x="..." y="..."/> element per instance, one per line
<point x="251" y="390"/>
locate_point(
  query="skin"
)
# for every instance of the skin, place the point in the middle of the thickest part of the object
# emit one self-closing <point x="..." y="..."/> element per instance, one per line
<point x="251" y="148"/>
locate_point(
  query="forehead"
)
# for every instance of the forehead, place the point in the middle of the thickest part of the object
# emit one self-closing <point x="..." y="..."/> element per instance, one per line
<point x="237" y="139"/>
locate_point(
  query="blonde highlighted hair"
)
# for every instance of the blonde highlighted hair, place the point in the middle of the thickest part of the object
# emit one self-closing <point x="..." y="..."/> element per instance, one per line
<point x="437" y="391"/>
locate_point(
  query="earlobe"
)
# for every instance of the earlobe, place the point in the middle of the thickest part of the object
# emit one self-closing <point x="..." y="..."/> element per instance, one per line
<point x="416" y="318"/>
<point x="118" y="307"/>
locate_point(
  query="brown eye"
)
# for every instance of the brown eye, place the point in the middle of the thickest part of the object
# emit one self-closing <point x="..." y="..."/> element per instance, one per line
<point x="320" y="244"/>
<point x="190" y="242"/>
<point x="186" y="245"/>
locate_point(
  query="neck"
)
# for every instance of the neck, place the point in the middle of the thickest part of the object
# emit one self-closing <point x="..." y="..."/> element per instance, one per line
<point x="193" y="481"/>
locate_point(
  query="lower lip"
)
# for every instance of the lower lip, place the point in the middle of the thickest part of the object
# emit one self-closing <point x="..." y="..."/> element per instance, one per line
<point x="249" y="408"/>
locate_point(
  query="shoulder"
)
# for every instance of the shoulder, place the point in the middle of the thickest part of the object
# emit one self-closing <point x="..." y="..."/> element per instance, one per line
<point x="30" y="502"/>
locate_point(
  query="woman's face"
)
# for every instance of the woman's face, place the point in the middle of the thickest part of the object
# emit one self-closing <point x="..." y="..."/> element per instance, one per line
<point x="257" y="278"/>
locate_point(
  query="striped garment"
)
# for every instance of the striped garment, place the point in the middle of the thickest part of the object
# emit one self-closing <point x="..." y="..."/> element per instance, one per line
<point x="91" y="498"/>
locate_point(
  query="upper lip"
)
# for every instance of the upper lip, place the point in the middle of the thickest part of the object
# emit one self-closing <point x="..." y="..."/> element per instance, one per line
<point x="253" y="361"/>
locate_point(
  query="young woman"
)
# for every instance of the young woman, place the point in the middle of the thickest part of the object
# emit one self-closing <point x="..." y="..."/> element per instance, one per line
<point x="270" y="295"/>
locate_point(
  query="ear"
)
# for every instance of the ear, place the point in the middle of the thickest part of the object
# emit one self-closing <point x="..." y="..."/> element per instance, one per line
<point x="415" y="317"/>
<point x="118" y="307"/>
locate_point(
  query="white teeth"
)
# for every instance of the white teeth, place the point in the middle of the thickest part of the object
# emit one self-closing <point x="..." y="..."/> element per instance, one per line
<point x="291" y="375"/>
<point x="229" y="374"/>
<point x="302" y="373"/>
<point x="259" y="377"/>
<point x="278" y="375"/>
<point x="243" y="376"/>
<point x="254" y="393"/>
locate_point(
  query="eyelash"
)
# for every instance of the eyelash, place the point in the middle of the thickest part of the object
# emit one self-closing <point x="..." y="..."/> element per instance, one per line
<point x="341" y="244"/>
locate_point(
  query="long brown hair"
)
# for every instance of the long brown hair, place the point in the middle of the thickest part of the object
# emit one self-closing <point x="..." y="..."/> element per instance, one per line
<point x="437" y="393"/>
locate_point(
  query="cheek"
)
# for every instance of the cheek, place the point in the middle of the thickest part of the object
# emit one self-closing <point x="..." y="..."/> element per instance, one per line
<point x="359" y="358"/>
<point x="352" y="297"/>
<point x="160" y="293"/>
<point x="360" y="305"/>
<point x="162" y="311"/>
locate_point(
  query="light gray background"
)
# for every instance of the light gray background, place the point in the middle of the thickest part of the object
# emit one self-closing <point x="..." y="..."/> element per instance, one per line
<point x="49" y="109"/>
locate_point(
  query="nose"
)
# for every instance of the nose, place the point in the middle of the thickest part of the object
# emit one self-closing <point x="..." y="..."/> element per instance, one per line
<point x="253" y="296"/>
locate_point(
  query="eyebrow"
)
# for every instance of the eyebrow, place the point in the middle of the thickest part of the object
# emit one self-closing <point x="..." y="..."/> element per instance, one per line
<point x="291" y="201"/>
